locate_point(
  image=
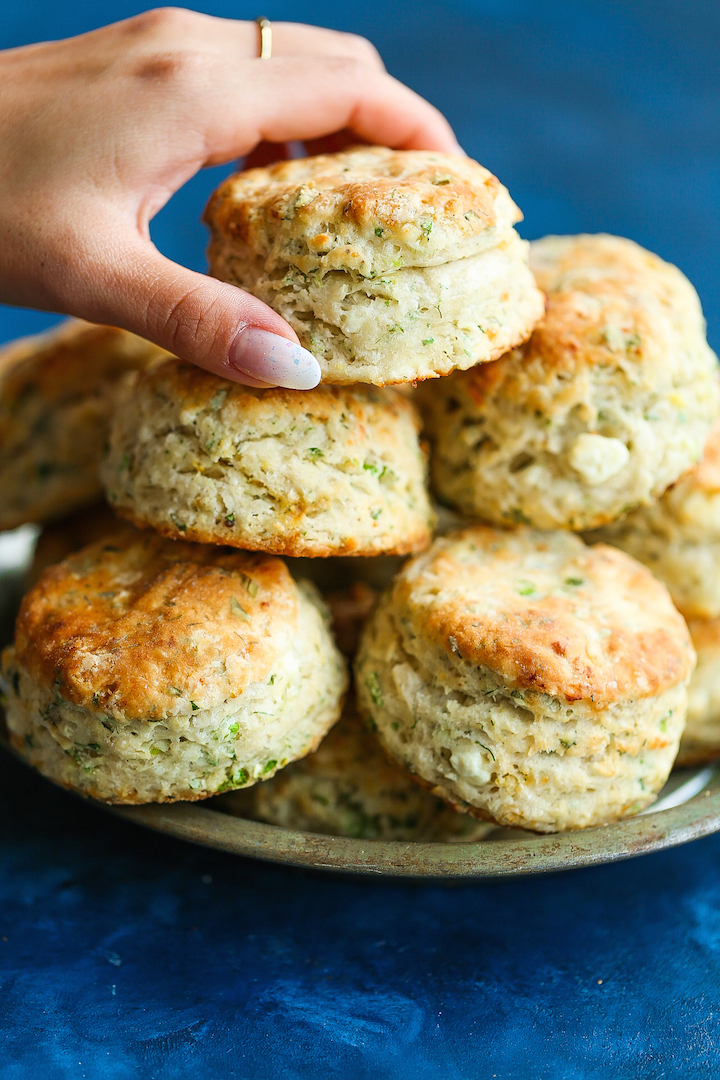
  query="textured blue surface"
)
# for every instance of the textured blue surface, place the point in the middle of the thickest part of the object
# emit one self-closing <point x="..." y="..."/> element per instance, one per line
<point x="124" y="955"/>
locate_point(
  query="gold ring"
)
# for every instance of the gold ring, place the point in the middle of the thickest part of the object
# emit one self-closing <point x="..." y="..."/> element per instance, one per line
<point x="265" y="32"/>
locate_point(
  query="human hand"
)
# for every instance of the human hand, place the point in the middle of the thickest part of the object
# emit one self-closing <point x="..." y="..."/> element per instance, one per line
<point x="100" y="130"/>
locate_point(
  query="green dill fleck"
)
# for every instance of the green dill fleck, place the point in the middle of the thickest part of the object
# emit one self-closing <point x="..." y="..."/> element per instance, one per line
<point x="378" y="230"/>
<point x="177" y="523"/>
<point x="574" y="581"/>
<point x="663" y="724"/>
<point x="372" y="683"/>
<point x="249" y="585"/>
<point x="517" y="694"/>
<point x="395" y="726"/>
<point x="238" y="611"/>
<point x="174" y="691"/>
<point x="271" y="680"/>
<point x="230" y="520"/>
<point x="426" y="227"/>
<point x="441" y="180"/>
<point x="234" y="728"/>
<point x="270" y="766"/>
<point x="154" y="750"/>
<point x="428" y="340"/>
<point x="218" y="400"/>
<point x="525" y="588"/>
<point x="241" y="777"/>
<point x="376" y="514"/>
<point x="566" y="745"/>
<point x="315" y="452"/>
<point x="488" y="750"/>
<point x="518" y="517"/>
<point x="194" y="707"/>
<point x="376" y="470"/>
<point x="397" y="328"/>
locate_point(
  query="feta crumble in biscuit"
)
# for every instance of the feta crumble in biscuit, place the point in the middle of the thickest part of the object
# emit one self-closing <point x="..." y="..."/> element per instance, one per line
<point x="390" y="265"/>
<point x="527" y="678"/>
<point x="330" y="471"/>
<point x="57" y="392"/>
<point x="347" y="787"/>
<point x="150" y="670"/>
<point x="608" y="403"/>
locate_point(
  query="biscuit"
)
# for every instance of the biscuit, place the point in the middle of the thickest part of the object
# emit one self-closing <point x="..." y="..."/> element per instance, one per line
<point x="609" y="402"/>
<point x="150" y="670"/>
<point x="701" y="738"/>
<point x="57" y="391"/>
<point x="61" y="538"/>
<point x="527" y="678"/>
<point x="330" y="471"/>
<point x="348" y="788"/>
<point x="390" y="265"/>
<point x="678" y="537"/>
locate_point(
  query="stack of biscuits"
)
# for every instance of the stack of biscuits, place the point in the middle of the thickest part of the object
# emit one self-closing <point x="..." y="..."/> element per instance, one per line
<point x="528" y="666"/>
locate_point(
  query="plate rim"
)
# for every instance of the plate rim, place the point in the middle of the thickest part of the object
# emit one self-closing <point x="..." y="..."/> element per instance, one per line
<point x="198" y="823"/>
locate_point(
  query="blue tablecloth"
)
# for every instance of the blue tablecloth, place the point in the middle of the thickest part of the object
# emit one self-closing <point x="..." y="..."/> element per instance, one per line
<point x="126" y="955"/>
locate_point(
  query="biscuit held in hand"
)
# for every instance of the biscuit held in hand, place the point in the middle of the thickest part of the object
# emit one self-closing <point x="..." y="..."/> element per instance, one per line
<point x="391" y="266"/>
<point x="142" y="106"/>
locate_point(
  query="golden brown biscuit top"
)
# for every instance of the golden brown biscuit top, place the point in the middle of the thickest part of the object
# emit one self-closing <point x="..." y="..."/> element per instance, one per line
<point x="610" y="304"/>
<point x="70" y="359"/>
<point x="369" y="208"/>
<point x="547" y="613"/>
<point x="72" y="362"/>
<point x="142" y="627"/>
<point x="193" y="391"/>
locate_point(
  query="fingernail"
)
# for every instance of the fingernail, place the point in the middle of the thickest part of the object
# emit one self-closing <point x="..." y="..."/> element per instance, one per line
<point x="271" y="359"/>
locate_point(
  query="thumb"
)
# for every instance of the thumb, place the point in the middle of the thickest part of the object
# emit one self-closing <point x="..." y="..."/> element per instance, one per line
<point x="210" y="323"/>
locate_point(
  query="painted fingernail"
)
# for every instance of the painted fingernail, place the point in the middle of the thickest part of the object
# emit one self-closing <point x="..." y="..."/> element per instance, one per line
<point x="273" y="360"/>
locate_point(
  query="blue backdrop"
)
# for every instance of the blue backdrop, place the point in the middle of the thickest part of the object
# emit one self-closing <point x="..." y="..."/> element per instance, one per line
<point x="125" y="955"/>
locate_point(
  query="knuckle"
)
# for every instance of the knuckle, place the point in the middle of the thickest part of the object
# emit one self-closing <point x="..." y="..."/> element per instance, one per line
<point x="163" y="18"/>
<point x="362" y="49"/>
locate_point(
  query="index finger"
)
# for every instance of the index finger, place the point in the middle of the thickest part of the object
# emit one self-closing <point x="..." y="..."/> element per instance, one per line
<point x="326" y="96"/>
